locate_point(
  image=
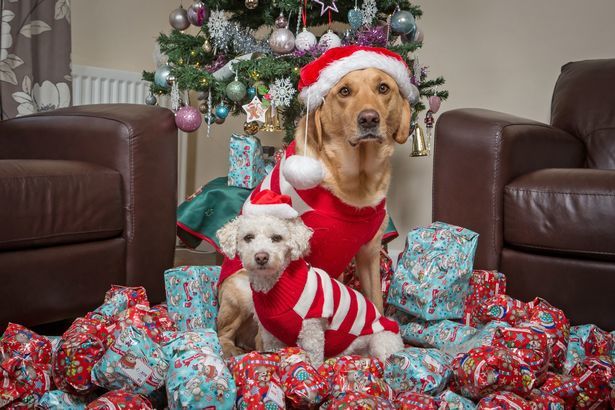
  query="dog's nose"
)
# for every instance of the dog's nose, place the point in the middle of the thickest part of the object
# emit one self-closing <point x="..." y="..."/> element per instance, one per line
<point x="261" y="258"/>
<point x="368" y="118"/>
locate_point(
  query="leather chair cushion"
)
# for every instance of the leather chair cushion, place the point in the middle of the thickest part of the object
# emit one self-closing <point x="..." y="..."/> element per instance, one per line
<point x="51" y="202"/>
<point x="562" y="211"/>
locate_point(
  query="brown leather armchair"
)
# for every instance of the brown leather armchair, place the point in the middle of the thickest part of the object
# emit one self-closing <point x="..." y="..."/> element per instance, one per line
<point x="542" y="197"/>
<point x="87" y="199"/>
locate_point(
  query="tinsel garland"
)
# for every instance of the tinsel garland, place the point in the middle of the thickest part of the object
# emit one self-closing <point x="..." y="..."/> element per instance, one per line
<point x="194" y="67"/>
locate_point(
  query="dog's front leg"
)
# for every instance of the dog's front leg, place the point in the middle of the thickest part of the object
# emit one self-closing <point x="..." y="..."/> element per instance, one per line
<point x="312" y="340"/>
<point x="270" y="342"/>
<point x="368" y="268"/>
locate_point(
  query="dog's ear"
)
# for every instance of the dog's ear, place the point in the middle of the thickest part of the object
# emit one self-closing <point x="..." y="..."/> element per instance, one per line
<point x="404" y="123"/>
<point x="299" y="238"/>
<point x="317" y="128"/>
<point x="227" y="236"/>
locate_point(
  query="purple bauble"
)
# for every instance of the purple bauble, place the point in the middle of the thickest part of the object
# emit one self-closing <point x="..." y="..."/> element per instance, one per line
<point x="188" y="119"/>
<point x="198" y="13"/>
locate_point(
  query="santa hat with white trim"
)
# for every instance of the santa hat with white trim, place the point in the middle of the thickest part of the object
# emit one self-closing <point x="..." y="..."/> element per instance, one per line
<point x="316" y="80"/>
<point x="267" y="202"/>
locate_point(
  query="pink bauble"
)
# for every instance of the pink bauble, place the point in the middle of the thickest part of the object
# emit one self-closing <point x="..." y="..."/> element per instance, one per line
<point x="434" y="103"/>
<point x="188" y="119"/>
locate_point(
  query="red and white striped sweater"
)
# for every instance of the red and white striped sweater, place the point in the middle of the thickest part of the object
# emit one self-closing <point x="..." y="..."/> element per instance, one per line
<point x="303" y="292"/>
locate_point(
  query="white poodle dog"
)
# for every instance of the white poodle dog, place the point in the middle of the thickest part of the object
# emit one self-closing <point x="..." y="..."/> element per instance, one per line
<point x="297" y="305"/>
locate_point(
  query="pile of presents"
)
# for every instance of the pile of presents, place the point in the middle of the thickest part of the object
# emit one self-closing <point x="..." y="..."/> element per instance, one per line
<point x="469" y="346"/>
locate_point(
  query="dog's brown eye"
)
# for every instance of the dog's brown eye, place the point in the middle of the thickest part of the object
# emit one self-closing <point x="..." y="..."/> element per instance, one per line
<point x="344" y="91"/>
<point x="276" y="238"/>
<point x="383" y="88"/>
<point x="248" y="238"/>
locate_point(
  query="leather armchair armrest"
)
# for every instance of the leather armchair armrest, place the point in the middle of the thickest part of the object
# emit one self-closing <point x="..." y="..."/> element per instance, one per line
<point x="477" y="153"/>
<point x="138" y="141"/>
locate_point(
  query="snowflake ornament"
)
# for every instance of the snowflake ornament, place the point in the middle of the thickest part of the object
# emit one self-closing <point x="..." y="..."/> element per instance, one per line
<point x="217" y="25"/>
<point x="282" y="92"/>
<point x="369" y="10"/>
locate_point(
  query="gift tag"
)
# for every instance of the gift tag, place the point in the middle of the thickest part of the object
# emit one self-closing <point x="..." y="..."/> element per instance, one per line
<point x="276" y="395"/>
<point x="138" y="373"/>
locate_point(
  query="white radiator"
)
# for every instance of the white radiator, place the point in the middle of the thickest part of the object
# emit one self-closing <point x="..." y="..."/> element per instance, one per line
<point x="95" y="85"/>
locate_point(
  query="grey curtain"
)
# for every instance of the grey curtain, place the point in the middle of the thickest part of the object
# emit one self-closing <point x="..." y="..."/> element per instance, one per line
<point x="34" y="56"/>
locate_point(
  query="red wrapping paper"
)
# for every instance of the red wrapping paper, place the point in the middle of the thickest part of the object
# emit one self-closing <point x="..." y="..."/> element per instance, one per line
<point x="484" y="284"/>
<point x="593" y="376"/>
<point x="504" y="400"/>
<point x="19" y="341"/>
<point x="599" y="343"/>
<point x="557" y="329"/>
<point x="544" y="400"/>
<point x="153" y="321"/>
<point x="120" y="400"/>
<point x="502" y="308"/>
<point x="22" y="383"/>
<point x="417" y="401"/>
<point x="356" y="373"/>
<point x="302" y="384"/>
<point x="357" y="401"/>
<point x="257" y="379"/>
<point x="488" y="369"/>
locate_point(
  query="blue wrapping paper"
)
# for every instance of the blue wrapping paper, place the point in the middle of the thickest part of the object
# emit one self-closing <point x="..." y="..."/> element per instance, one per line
<point x="456" y="402"/>
<point x="204" y="340"/>
<point x="433" y="273"/>
<point x="192" y="296"/>
<point x="59" y="400"/>
<point x="246" y="163"/>
<point x="133" y="363"/>
<point x="439" y="334"/>
<point x="418" y="370"/>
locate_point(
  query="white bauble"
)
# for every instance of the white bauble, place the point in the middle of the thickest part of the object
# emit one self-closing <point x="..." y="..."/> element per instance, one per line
<point x="282" y="41"/>
<point x="330" y="40"/>
<point x="305" y="40"/>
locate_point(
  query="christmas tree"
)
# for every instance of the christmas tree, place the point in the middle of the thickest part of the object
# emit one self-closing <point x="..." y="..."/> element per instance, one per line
<point x="228" y="65"/>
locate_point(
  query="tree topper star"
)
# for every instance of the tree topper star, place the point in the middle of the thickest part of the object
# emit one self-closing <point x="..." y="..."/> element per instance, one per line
<point x="255" y="111"/>
<point x="326" y="6"/>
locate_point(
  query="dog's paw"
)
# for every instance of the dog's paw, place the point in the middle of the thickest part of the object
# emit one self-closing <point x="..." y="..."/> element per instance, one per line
<point x="230" y="350"/>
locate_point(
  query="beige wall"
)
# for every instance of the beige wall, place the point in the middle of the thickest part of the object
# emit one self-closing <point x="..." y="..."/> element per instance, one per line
<point x="498" y="54"/>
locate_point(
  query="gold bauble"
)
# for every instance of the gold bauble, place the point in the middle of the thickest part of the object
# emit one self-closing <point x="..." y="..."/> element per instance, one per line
<point x="255" y="75"/>
<point x="207" y="46"/>
<point x="203" y="108"/>
<point x="251" y="128"/>
<point x="204" y="81"/>
<point x="180" y="61"/>
<point x="193" y="53"/>
<point x="251" y="4"/>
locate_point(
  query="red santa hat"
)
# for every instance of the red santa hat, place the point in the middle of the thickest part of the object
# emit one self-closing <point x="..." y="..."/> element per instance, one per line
<point x="319" y="76"/>
<point x="267" y="202"/>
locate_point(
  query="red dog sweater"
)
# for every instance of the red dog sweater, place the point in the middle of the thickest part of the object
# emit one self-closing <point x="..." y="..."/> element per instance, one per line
<point x="303" y="292"/>
<point x="339" y="229"/>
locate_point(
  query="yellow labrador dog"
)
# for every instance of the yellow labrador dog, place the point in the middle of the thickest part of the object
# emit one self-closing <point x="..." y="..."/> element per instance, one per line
<point x="352" y="132"/>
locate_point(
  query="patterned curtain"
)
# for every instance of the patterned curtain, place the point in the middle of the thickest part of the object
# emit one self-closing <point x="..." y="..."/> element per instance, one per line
<point x="34" y="56"/>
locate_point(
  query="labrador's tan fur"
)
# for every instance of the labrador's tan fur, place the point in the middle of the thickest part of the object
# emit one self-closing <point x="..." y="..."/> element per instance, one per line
<point x="358" y="172"/>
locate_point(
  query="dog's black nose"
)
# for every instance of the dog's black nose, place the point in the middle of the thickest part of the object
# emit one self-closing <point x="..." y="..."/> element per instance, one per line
<point x="261" y="258"/>
<point x="368" y="118"/>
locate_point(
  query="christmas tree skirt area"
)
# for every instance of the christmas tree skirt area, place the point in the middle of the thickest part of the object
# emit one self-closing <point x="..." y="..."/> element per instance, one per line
<point x="468" y="345"/>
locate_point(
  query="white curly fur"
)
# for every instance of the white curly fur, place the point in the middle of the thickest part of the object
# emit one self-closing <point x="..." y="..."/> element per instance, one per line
<point x="248" y="235"/>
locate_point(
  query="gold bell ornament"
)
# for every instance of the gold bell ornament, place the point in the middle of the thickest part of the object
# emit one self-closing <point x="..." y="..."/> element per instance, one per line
<point x="272" y="120"/>
<point x="419" y="147"/>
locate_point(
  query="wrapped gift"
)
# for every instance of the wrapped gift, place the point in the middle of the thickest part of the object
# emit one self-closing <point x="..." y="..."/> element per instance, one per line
<point x="134" y="363"/>
<point x="557" y="329"/>
<point x="504" y="400"/>
<point x="204" y="340"/>
<point x="455" y="401"/>
<point x="418" y="370"/>
<point x="349" y="277"/>
<point x="441" y="334"/>
<point x="120" y="400"/>
<point x="199" y="379"/>
<point x="484" y="284"/>
<point x="485" y="370"/>
<point x="594" y="375"/>
<point x="409" y="400"/>
<point x="356" y="373"/>
<point x="586" y="340"/>
<point x="119" y="298"/>
<point x="302" y="384"/>
<point x="153" y="321"/>
<point x="257" y="379"/>
<point x="22" y="383"/>
<point x="357" y="401"/>
<point x="246" y="162"/>
<point x="433" y="273"/>
<point x="192" y="296"/>
<point x="502" y="308"/>
<point x="59" y="400"/>
<point x="483" y="336"/>
<point x="20" y="341"/>
<point x="80" y="348"/>
<point x="565" y="388"/>
<point x="544" y="400"/>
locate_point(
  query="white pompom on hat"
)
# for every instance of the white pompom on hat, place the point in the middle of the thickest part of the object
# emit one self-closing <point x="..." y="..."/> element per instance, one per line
<point x="316" y="80"/>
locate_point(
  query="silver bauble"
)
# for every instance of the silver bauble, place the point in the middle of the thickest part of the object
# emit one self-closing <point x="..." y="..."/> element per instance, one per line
<point x="330" y="40"/>
<point x="281" y="21"/>
<point x="251" y="4"/>
<point x="178" y="19"/>
<point x="198" y="13"/>
<point x="305" y="40"/>
<point x="171" y="79"/>
<point x="201" y="95"/>
<point x="161" y="74"/>
<point x="402" y="22"/>
<point x="235" y="91"/>
<point x="151" y="99"/>
<point x="282" y="41"/>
